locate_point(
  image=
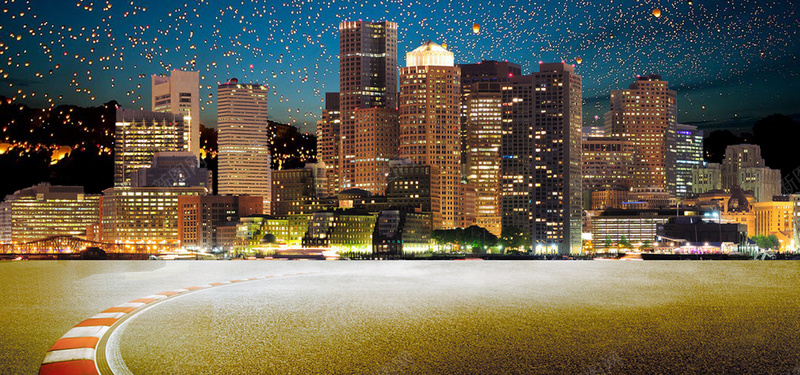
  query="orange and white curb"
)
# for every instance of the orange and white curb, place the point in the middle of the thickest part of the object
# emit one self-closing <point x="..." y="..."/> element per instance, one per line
<point x="75" y="352"/>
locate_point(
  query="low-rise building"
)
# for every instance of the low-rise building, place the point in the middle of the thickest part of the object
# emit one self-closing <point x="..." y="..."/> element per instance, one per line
<point x="400" y="233"/>
<point x="200" y="217"/>
<point x="43" y="211"/>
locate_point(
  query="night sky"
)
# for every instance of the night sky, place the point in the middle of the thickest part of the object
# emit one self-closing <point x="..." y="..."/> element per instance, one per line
<point x="730" y="61"/>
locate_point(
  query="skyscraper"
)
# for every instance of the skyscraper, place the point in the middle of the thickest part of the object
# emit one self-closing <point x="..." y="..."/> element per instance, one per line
<point x="541" y="157"/>
<point x="647" y="112"/>
<point x="483" y="132"/>
<point x="329" y="140"/>
<point x="688" y="156"/>
<point x="179" y="93"/>
<point x="137" y="138"/>
<point x="484" y="71"/>
<point x="429" y="122"/>
<point x="367" y="103"/>
<point x="244" y="160"/>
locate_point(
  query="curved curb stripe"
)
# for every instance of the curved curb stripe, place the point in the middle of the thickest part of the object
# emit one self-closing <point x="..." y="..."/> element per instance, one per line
<point x="75" y="352"/>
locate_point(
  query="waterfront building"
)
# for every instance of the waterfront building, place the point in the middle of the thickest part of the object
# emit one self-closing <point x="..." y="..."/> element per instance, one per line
<point x="700" y="232"/>
<point x="200" y="217"/>
<point x="610" y="228"/>
<point x="398" y="232"/>
<point x="179" y="93"/>
<point x="541" y="157"/>
<point x="647" y="112"/>
<point x="775" y="218"/>
<point x="244" y="138"/>
<point x="367" y="104"/>
<point x="137" y="138"/>
<point x="429" y="123"/>
<point x="172" y="169"/>
<point x="44" y="210"/>
<point x="143" y="215"/>
<point x="343" y="231"/>
<point x="648" y="198"/>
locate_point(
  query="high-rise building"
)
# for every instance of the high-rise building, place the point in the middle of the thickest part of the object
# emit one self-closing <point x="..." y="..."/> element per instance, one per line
<point x="244" y="160"/>
<point x="43" y="211"/>
<point x="541" y="157"/>
<point x="688" y="157"/>
<point x="647" y="112"/>
<point x="329" y="140"/>
<point x="367" y="103"/>
<point x="179" y="93"/>
<point x="483" y="136"/>
<point x="429" y="122"/>
<point x="137" y="138"/>
<point x="486" y="71"/>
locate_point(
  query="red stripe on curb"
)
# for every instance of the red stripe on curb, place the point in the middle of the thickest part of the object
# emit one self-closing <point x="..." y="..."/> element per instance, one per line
<point x="97" y="322"/>
<point x="266" y="277"/>
<point x="215" y="284"/>
<point x="193" y="288"/>
<point x="75" y="343"/>
<point x="144" y="300"/>
<point x="236" y="281"/>
<point x="119" y="310"/>
<point x="253" y="278"/>
<point x="168" y="294"/>
<point x="81" y="367"/>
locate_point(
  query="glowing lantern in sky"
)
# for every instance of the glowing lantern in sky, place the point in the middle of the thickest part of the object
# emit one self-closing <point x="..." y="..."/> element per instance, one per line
<point x="579" y="60"/>
<point x="476" y="28"/>
<point x="657" y="12"/>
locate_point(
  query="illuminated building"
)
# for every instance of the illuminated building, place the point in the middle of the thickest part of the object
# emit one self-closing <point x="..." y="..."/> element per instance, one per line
<point x="647" y="198"/>
<point x="696" y="230"/>
<point x="401" y="233"/>
<point x="146" y="215"/>
<point x="607" y="167"/>
<point x="367" y="103"/>
<point x="200" y="216"/>
<point x="179" y="93"/>
<point x="742" y="167"/>
<point x="646" y="111"/>
<point x="541" y="157"/>
<point x="244" y="160"/>
<point x="486" y="71"/>
<point x="467" y="206"/>
<point x="43" y="211"/>
<point x="609" y="198"/>
<point x="776" y="217"/>
<point x="172" y="169"/>
<point x="138" y="136"/>
<point x="688" y="157"/>
<point x="483" y="137"/>
<point x="795" y="199"/>
<point x="343" y="231"/>
<point x="429" y="123"/>
<point x="292" y="188"/>
<point x="329" y="140"/>
<point x="708" y="178"/>
<point x="638" y="227"/>
<point x="412" y="187"/>
<point x="733" y="207"/>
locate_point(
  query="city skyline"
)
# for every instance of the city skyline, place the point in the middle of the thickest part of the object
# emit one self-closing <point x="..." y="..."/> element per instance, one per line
<point x="729" y="63"/>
